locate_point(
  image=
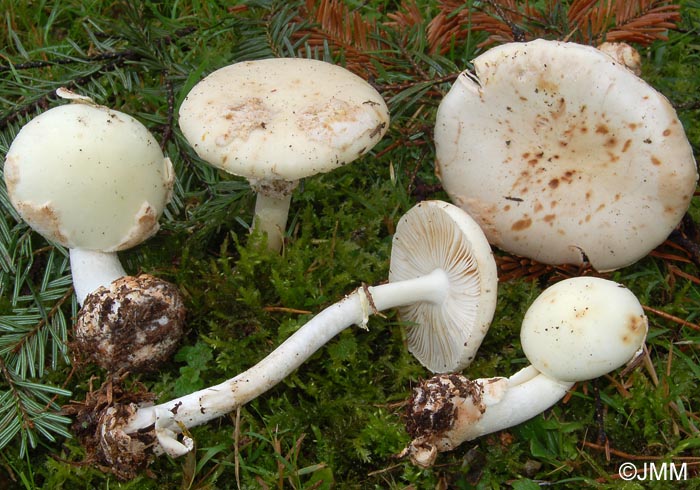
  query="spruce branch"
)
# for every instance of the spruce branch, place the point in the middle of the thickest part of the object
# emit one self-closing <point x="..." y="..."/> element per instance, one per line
<point x="100" y="64"/>
<point x="584" y="21"/>
<point x="343" y="29"/>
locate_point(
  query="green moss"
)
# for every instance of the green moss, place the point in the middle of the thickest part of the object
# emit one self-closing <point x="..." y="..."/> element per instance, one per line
<point x="337" y="420"/>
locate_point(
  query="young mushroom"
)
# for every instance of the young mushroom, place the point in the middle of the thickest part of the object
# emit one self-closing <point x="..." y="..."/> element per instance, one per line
<point x="441" y="264"/>
<point x="96" y="181"/>
<point x="576" y="330"/>
<point x="563" y="155"/>
<point x="275" y="121"/>
<point x="623" y="53"/>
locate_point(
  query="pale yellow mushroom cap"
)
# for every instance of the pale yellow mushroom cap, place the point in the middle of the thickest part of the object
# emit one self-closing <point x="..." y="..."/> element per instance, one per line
<point x="88" y="177"/>
<point x="563" y="155"/>
<point x="582" y="328"/>
<point x="282" y="118"/>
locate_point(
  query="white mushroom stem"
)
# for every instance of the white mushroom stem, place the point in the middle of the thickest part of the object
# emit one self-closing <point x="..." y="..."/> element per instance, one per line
<point x="197" y="408"/>
<point x="271" y="218"/>
<point x="91" y="269"/>
<point x="272" y="209"/>
<point x="576" y="330"/>
<point x="528" y="393"/>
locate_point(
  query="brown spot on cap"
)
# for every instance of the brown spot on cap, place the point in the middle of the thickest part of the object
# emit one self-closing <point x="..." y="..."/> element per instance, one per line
<point x="602" y="129"/>
<point x="610" y="142"/>
<point x="554" y="183"/>
<point x="636" y="324"/>
<point x="626" y="146"/>
<point x="522" y="224"/>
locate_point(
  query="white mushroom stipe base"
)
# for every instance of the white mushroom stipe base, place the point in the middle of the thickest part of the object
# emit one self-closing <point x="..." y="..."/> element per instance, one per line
<point x="449" y="244"/>
<point x="96" y="184"/>
<point x="275" y="121"/>
<point x="135" y="323"/>
<point x="576" y="330"/>
<point x="563" y="155"/>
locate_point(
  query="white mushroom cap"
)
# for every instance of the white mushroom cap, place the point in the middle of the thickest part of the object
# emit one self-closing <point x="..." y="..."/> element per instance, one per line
<point x="582" y="328"/>
<point x="438" y="235"/>
<point x="88" y="177"/>
<point x="563" y="155"/>
<point x="282" y="118"/>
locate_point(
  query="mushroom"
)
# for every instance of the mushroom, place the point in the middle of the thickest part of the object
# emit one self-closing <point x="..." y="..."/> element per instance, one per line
<point x="275" y="121"/>
<point x="623" y="53"/>
<point x="450" y="277"/>
<point x="576" y="330"/>
<point x="95" y="181"/>
<point x="563" y="155"/>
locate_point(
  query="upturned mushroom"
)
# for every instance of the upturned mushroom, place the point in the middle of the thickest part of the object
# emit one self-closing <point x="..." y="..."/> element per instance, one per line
<point x="563" y="155"/>
<point x="276" y="121"/>
<point x="441" y="264"/>
<point x="576" y="330"/>
<point x="96" y="181"/>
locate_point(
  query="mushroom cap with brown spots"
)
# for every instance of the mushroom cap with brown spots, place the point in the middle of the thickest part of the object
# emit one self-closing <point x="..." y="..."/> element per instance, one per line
<point x="282" y="118"/>
<point x="563" y="155"/>
<point x="88" y="177"/>
<point x="583" y="328"/>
